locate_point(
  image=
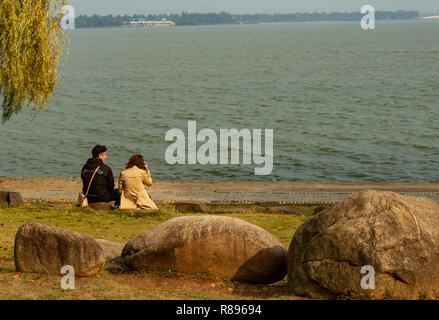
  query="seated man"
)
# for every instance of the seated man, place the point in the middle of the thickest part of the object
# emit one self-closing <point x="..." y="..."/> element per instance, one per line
<point x="102" y="186"/>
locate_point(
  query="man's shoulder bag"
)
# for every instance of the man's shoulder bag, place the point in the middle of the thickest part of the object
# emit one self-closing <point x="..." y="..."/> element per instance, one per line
<point x="82" y="198"/>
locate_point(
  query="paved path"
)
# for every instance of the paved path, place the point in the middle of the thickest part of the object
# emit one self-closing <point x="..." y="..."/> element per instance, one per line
<point x="67" y="189"/>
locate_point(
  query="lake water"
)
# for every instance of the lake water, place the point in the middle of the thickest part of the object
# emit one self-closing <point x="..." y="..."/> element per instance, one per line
<point x="344" y="103"/>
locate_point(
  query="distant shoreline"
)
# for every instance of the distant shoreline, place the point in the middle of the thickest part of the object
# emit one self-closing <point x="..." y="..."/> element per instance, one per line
<point x="246" y="24"/>
<point x="225" y="18"/>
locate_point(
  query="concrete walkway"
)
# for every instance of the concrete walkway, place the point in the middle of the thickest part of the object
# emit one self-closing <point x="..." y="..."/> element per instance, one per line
<point x="280" y="192"/>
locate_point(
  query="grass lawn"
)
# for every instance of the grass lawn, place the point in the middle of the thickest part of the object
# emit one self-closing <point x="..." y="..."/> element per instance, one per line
<point x="123" y="226"/>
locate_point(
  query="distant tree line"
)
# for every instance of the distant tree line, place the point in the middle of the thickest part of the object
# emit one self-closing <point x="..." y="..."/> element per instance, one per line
<point x="323" y="16"/>
<point x="186" y="18"/>
<point x="95" y="21"/>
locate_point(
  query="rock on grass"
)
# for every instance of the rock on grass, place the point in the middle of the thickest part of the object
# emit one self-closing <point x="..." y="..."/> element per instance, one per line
<point x="395" y="234"/>
<point x="43" y="249"/>
<point x="11" y="198"/>
<point x="224" y="247"/>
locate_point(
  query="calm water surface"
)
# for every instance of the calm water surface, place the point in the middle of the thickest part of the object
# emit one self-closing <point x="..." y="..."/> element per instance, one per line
<point x="345" y="104"/>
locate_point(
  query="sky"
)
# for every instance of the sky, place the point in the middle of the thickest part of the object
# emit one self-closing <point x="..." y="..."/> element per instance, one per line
<point x="129" y="7"/>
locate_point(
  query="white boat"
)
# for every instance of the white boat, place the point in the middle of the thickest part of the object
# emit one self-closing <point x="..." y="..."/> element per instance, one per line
<point x="152" y="23"/>
<point x="430" y="18"/>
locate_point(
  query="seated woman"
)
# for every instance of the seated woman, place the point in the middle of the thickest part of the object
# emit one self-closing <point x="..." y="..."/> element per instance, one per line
<point x="131" y="185"/>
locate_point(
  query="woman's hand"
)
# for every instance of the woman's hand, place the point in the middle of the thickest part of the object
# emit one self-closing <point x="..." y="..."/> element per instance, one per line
<point x="145" y="166"/>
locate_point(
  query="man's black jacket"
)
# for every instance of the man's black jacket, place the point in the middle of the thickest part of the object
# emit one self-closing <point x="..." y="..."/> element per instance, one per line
<point x="102" y="186"/>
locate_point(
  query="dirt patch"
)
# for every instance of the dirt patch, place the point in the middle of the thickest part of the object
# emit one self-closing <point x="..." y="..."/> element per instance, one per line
<point x="144" y="286"/>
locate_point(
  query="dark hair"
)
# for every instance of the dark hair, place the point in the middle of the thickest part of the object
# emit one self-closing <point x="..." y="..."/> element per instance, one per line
<point x="136" y="160"/>
<point x="97" y="150"/>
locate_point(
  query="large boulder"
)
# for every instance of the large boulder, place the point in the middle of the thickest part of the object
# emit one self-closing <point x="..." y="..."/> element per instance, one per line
<point x="222" y="246"/>
<point x="396" y="235"/>
<point x="44" y="249"/>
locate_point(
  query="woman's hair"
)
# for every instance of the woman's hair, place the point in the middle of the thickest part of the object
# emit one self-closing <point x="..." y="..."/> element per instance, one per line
<point x="136" y="160"/>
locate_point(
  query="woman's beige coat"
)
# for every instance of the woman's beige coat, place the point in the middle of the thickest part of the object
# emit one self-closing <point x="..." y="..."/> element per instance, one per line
<point x="133" y="193"/>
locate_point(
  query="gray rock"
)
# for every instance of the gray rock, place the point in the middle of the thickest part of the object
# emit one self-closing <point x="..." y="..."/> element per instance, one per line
<point x="43" y="249"/>
<point x="11" y="197"/>
<point x="111" y="249"/>
<point x="112" y="252"/>
<point x="191" y="206"/>
<point x="224" y="247"/>
<point x="397" y="235"/>
<point x="15" y="198"/>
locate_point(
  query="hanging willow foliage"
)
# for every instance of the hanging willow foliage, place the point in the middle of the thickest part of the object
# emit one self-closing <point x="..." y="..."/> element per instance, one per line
<point x="31" y="45"/>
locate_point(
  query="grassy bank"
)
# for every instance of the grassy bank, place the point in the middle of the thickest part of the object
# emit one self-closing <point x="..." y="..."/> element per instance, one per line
<point x="124" y="226"/>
